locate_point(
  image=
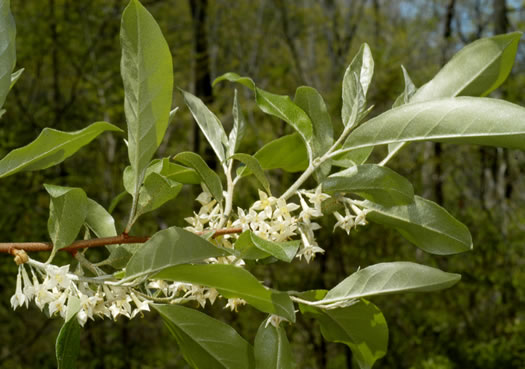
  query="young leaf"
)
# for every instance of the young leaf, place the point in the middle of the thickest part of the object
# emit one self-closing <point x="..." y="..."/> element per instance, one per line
<point x="272" y="349"/>
<point x="409" y="91"/>
<point x="466" y="120"/>
<point x="206" y="343"/>
<point x="15" y="76"/>
<point x="170" y="247"/>
<point x="361" y="326"/>
<point x="373" y="182"/>
<point x="351" y="158"/>
<point x="208" y="176"/>
<point x="67" y="213"/>
<point x="238" y="129"/>
<point x="387" y="278"/>
<point x="156" y="191"/>
<point x="147" y="73"/>
<point x="308" y="99"/>
<point x="476" y="70"/>
<point x="68" y="340"/>
<point x="50" y="148"/>
<point x="285" y="251"/>
<point x="287" y="153"/>
<point x="279" y="106"/>
<point x="356" y="81"/>
<point x="99" y="220"/>
<point x="424" y="223"/>
<point x="7" y="49"/>
<point x="209" y="124"/>
<point x="232" y="281"/>
<point x="255" y="167"/>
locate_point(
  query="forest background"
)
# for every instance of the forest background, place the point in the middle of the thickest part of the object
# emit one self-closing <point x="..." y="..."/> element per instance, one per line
<point x="70" y="52"/>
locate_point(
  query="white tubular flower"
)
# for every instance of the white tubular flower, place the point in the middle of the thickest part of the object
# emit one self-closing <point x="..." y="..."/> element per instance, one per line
<point x="121" y="307"/>
<point x="264" y="203"/>
<point x="160" y="285"/>
<point x="140" y="305"/>
<point x="196" y="223"/>
<point x="307" y="212"/>
<point x="317" y="197"/>
<point x="310" y="246"/>
<point x="274" y="320"/>
<point x="177" y="287"/>
<point x="42" y="295"/>
<point x="360" y="218"/>
<point x="18" y="299"/>
<point x="243" y="221"/>
<point x="57" y="276"/>
<point x="283" y="209"/>
<point x="197" y="293"/>
<point x="346" y="223"/>
<point x="233" y="304"/>
<point x="29" y="289"/>
<point x="58" y="305"/>
<point x="211" y="295"/>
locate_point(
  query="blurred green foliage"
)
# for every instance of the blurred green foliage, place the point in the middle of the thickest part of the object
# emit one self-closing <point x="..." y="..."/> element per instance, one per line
<point x="70" y="52"/>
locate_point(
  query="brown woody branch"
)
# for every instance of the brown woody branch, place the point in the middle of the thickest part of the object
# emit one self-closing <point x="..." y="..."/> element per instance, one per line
<point x="10" y="247"/>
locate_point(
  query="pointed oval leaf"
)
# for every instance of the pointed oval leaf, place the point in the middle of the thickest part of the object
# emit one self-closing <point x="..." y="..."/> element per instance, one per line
<point x="232" y="281"/>
<point x="67" y="213"/>
<point x="255" y="167"/>
<point x="373" y="182"/>
<point x="147" y="72"/>
<point x="245" y="248"/>
<point x="208" y="122"/>
<point x="208" y="176"/>
<point x="464" y="120"/>
<point x="362" y="327"/>
<point x="206" y="342"/>
<point x="155" y="192"/>
<point x="15" y="76"/>
<point x="424" y="223"/>
<point x="387" y="278"/>
<point x="170" y="247"/>
<point x="279" y="106"/>
<point x="284" y="251"/>
<point x="272" y="348"/>
<point x="50" y="148"/>
<point x="99" y="220"/>
<point x="68" y="339"/>
<point x="308" y="99"/>
<point x="408" y="92"/>
<point x="287" y="153"/>
<point x="239" y="127"/>
<point x="356" y="81"/>
<point x="7" y="49"/>
<point x="476" y="70"/>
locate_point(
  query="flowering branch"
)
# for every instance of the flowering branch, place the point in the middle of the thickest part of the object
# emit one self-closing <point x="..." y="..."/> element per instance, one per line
<point x="10" y="247"/>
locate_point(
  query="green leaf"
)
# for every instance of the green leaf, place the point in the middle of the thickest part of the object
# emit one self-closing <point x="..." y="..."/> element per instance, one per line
<point x="424" y="223"/>
<point x="272" y="349"/>
<point x="308" y="99"/>
<point x="408" y="92"/>
<point x="99" y="220"/>
<point x="206" y="343"/>
<point x="245" y="248"/>
<point x="15" y="77"/>
<point x="7" y="49"/>
<point x="50" y="148"/>
<point x="67" y="213"/>
<point x="476" y="70"/>
<point x="356" y="81"/>
<point x="147" y="72"/>
<point x="388" y="278"/>
<point x="351" y="158"/>
<point x="208" y="122"/>
<point x="170" y="247"/>
<point x="231" y="282"/>
<point x="255" y="167"/>
<point x="287" y="153"/>
<point x="68" y="340"/>
<point x="238" y="129"/>
<point x="155" y="192"/>
<point x="373" y="182"/>
<point x="279" y="106"/>
<point x="208" y="176"/>
<point x="362" y="327"/>
<point x="464" y="120"/>
<point x="285" y="251"/>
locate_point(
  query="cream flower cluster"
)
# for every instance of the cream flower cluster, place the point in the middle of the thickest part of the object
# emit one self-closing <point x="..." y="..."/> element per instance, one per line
<point x="53" y="287"/>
